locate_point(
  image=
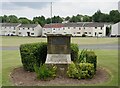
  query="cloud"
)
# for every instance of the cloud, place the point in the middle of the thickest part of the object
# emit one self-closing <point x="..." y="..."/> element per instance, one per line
<point x="20" y="5"/>
<point x="32" y="9"/>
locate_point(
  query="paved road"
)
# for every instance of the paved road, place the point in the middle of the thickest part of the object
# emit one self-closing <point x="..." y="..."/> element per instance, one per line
<point x="100" y="46"/>
<point x="93" y="46"/>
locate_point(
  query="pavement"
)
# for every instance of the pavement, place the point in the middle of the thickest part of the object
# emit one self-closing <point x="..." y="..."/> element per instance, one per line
<point x="84" y="46"/>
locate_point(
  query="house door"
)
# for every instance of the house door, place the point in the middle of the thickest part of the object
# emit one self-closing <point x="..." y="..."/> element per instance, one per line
<point x="95" y="33"/>
<point x="28" y="33"/>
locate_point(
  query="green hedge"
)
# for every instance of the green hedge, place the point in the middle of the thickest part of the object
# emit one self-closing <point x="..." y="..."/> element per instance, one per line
<point x="88" y="57"/>
<point x="91" y="58"/>
<point x="74" y="52"/>
<point x="35" y="53"/>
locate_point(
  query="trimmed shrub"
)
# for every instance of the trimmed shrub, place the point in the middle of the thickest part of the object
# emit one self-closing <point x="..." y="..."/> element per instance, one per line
<point x="43" y="72"/>
<point x="74" y="52"/>
<point x="81" y="71"/>
<point x="88" y="57"/>
<point x="91" y="58"/>
<point x="34" y="53"/>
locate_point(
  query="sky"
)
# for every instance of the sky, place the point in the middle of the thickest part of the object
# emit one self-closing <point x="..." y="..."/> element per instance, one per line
<point x="63" y="8"/>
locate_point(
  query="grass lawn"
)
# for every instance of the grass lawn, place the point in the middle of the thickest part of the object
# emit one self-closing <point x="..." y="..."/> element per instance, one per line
<point x="16" y="41"/>
<point x="106" y="58"/>
<point x="11" y="59"/>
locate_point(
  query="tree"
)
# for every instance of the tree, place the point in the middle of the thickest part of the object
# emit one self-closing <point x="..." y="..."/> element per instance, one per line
<point x="5" y="19"/>
<point x="57" y="19"/>
<point x="87" y="18"/>
<point x="24" y="20"/>
<point x="115" y="16"/>
<point x="48" y="20"/>
<point x="13" y="19"/>
<point x="67" y="18"/>
<point x="97" y="17"/>
<point x="41" y="20"/>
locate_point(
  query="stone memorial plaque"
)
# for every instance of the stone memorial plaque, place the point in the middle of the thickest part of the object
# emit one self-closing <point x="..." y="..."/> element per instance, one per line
<point x="59" y="41"/>
<point x="58" y="52"/>
<point x="58" y="49"/>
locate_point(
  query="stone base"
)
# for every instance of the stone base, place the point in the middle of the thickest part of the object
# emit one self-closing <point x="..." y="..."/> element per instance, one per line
<point x="61" y="69"/>
<point x="58" y="59"/>
<point x="61" y="61"/>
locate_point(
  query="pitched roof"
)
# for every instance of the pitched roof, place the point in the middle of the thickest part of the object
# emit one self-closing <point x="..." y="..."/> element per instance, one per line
<point x="9" y="24"/>
<point x="94" y="24"/>
<point x="54" y="25"/>
<point x="80" y="24"/>
<point x="28" y="25"/>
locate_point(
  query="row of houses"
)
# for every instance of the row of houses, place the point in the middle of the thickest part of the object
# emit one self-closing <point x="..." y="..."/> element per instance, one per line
<point x="76" y="29"/>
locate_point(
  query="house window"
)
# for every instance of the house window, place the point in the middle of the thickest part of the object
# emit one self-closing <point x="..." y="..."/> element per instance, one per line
<point x="19" y="32"/>
<point x="85" y="32"/>
<point x="84" y="27"/>
<point x="14" y="28"/>
<point x="33" y="29"/>
<point x="68" y="27"/>
<point x="32" y="33"/>
<point x="64" y="32"/>
<point x="101" y="28"/>
<point x="74" y="27"/>
<point x="89" y="32"/>
<point x="28" y="28"/>
<point x="95" y="27"/>
<point x="79" y="28"/>
<point x="100" y="32"/>
<point x="54" y="29"/>
<point x="63" y="28"/>
<point x="78" y="32"/>
<point x="13" y="32"/>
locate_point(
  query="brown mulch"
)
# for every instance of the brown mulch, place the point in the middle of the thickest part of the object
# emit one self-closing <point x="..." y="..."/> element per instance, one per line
<point x="20" y="77"/>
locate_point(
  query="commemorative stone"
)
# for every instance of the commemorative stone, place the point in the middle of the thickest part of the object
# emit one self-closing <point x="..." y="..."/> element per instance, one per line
<point x="58" y="51"/>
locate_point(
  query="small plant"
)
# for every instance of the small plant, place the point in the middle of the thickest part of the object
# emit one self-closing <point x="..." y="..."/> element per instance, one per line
<point x="82" y="57"/>
<point x="86" y="70"/>
<point x="72" y="71"/>
<point x="43" y="72"/>
<point x="87" y="57"/>
<point x="81" y="71"/>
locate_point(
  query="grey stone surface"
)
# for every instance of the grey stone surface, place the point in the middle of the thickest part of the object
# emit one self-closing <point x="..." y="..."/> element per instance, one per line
<point x="58" y="49"/>
<point x="58" y="59"/>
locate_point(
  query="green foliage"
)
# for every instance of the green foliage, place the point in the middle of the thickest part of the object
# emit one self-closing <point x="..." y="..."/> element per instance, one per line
<point x="88" y="57"/>
<point x="34" y="53"/>
<point x="24" y="20"/>
<point x="81" y="71"/>
<point x="74" y="52"/>
<point x="43" y="72"/>
<point x="72" y="71"/>
<point x="91" y="58"/>
<point x="86" y="70"/>
<point x="113" y="17"/>
<point x="82" y="57"/>
<point x="40" y="20"/>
